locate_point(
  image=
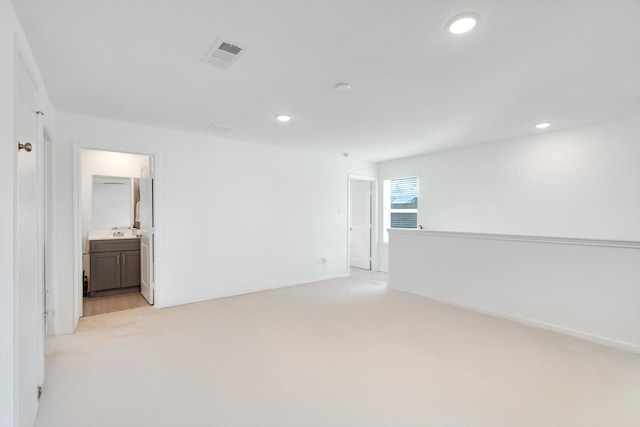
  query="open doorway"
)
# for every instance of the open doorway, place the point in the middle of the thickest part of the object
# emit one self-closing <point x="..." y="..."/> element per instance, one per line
<point x="361" y="223"/>
<point x="116" y="223"/>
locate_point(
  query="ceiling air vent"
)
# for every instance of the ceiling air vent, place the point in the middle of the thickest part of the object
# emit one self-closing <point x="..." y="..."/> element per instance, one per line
<point x="220" y="128"/>
<point x="223" y="54"/>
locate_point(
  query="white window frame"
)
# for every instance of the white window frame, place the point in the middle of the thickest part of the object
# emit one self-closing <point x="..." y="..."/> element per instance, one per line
<point x="386" y="206"/>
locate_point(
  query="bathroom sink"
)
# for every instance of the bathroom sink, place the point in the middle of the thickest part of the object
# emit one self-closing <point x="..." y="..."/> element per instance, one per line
<point x="111" y="234"/>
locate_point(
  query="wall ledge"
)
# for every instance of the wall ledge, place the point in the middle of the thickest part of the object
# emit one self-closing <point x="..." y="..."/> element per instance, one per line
<point x="630" y="244"/>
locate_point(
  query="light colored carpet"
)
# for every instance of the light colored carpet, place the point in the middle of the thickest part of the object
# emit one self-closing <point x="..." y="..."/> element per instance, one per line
<point x="344" y="352"/>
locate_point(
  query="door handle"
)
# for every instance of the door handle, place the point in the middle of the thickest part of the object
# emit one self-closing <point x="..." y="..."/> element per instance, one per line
<point x="26" y="147"/>
<point x="123" y="258"/>
<point x="118" y="259"/>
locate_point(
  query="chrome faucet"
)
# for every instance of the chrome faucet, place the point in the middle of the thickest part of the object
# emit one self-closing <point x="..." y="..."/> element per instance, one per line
<point x="117" y="231"/>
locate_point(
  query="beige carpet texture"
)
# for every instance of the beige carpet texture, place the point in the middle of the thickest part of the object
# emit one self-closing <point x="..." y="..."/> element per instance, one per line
<point x="342" y="352"/>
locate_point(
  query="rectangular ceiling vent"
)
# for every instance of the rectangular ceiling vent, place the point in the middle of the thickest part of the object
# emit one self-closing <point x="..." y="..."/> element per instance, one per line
<point x="220" y="128"/>
<point x="223" y="54"/>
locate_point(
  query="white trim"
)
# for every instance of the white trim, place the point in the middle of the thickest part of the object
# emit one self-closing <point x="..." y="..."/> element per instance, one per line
<point x="280" y="285"/>
<point x="542" y="325"/>
<point x="50" y="238"/>
<point x="41" y="218"/>
<point x="631" y="244"/>
<point x="77" y="237"/>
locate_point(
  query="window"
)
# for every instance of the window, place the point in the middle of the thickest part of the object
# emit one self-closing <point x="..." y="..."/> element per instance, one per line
<point x="400" y="204"/>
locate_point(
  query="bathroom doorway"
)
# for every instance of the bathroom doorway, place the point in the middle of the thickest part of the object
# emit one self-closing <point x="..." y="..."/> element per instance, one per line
<point x="111" y="215"/>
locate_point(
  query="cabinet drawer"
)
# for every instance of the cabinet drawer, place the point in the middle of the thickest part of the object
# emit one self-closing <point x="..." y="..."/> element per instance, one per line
<point x="115" y="245"/>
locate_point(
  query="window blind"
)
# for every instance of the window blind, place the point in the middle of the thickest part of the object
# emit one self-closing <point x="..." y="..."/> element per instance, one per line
<point x="404" y="202"/>
<point x="404" y="193"/>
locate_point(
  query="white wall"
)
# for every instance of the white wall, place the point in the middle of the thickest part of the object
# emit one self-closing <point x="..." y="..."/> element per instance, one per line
<point x="581" y="182"/>
<point x="232" y="217"/>
<point x="11" y="34"/>
<point x="583" y="288"/>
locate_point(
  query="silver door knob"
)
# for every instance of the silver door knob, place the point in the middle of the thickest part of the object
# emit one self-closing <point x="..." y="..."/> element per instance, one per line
<point x="26" y="147"/>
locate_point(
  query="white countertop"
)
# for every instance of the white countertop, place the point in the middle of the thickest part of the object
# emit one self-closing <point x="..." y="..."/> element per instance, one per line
<point x="109" y="235"/>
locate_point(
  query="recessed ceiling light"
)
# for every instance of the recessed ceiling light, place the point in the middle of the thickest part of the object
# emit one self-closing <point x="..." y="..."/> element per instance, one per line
<point x="345" y="154"/>
<point x="543" y="125"/>
<point x="342" y="86"/>
<point x="283" y="118"/>
<point x="462" y="23"/>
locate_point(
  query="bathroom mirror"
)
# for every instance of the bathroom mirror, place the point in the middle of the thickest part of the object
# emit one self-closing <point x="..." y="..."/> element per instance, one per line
<point x="113" y="202"/>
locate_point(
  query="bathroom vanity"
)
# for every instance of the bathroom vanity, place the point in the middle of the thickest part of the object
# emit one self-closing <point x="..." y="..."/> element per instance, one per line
<point x="115" y="264"/>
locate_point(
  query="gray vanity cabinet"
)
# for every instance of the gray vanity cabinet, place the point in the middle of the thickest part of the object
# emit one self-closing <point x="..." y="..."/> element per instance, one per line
<point x="115" y="265"/>
<point x="130" y="268"/>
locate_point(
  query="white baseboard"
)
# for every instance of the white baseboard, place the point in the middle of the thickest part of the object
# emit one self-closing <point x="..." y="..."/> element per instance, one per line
<point x="621" y="345"/>
<point x="255" y="290"/>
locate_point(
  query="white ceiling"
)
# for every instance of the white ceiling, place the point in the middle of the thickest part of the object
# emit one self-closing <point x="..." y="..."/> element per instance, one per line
<point x="415" y="87"/>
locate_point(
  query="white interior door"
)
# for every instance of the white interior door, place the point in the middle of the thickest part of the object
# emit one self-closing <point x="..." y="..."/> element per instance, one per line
<point x="361" y="224"/>
<point x="147" y="229"/>
<point x="28" y="257"/>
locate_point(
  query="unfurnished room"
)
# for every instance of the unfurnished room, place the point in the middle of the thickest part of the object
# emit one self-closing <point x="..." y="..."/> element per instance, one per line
<point x="323" y="213"/>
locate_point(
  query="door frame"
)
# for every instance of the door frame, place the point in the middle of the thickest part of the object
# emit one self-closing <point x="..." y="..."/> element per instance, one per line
<point x="77" y="221"/>
<point x="374" y="219"/>
<point x="49" y="229"/>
